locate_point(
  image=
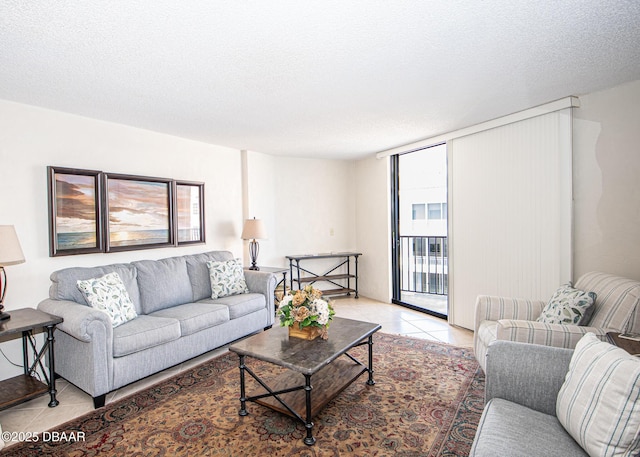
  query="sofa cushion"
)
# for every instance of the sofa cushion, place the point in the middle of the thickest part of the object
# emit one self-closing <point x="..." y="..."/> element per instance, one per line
<point x="568" y="306"/>
<point x="64" y="283"/>
<point x="107" y="293"/>
<point x="599" y="402"/>
<point x="508" y="428"/>
<point x="240" y="305"/>
<point x="142" y="333"/>
<point x="227" y="278"/>
<point x="163" y="283"/>
<point x="199" y="271"/>
<point x="194" y="317"/>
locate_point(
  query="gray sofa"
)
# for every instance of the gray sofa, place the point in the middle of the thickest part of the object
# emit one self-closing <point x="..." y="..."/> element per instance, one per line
<point x="519" y="418"/>
<point x="177" y="320"/>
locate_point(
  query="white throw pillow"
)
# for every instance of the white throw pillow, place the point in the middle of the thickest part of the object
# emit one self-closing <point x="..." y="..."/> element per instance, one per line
<point x="108" y="293"/>
<point x="227" y="278"/>
<point x="599" y="402"/>
<point x="568" y="306"/>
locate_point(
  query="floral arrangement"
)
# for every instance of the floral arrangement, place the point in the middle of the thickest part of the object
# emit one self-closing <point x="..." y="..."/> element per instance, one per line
<point x="306" y="308"/>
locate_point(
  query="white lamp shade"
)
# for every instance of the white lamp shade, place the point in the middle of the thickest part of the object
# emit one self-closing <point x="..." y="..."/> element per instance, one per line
<point x="253" y="230"/>
<point x="10" y="250"/>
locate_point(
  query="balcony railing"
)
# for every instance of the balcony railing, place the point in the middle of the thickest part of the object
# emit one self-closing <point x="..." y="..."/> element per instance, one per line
<point x="424" y="264"/>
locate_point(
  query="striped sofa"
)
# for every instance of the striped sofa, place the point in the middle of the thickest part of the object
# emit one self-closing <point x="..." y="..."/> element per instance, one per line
<point x="514" y="319"/>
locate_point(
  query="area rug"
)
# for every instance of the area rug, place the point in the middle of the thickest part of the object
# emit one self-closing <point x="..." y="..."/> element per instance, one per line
<point x="427" y="401"/>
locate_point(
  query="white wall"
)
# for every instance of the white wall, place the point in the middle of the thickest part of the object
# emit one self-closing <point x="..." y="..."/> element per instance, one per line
<point x="32" y="138"/>
<point x="607" y="182"/>
<point x="307" y="205"/>
<point x="260" y="201"/>
<point x="373" y="227"/>
<point x="315" y="206"/>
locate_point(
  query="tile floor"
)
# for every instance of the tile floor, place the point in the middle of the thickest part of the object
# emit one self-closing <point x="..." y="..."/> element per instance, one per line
<point x="35" y="416"/>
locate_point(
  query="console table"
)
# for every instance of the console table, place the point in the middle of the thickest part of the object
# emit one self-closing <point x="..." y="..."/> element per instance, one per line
<point x="25" y="387"/>
<point x="342" y="281"/>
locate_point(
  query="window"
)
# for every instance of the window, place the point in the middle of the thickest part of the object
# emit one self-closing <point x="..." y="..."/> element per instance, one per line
<point x="417" y="211"/>
<point x="437" y="211"/>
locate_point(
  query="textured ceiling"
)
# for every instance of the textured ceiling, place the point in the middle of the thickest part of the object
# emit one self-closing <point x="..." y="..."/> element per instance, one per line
<point x="331" y="78"/>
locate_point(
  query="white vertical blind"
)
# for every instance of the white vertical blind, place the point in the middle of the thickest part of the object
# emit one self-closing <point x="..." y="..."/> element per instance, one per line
<point x="509" y="212"/>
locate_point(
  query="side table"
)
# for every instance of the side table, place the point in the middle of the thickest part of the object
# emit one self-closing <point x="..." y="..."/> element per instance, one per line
<point x="631" y="346"/>
<point x="25" y="387"/>
<point x="276" y="270"/>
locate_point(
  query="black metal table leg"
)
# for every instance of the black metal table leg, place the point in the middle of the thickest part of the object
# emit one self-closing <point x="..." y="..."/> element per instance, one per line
<point x="25" y="351"/>
<point x="370" y="381"/>
<point x="309" y="440"/>
<point x="52" y="377"/>
<point x="243" y="398"/>
<point x="356" y="278"/>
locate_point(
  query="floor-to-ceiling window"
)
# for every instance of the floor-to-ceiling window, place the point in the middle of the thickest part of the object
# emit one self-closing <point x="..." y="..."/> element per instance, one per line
<point x="420" y="242"/>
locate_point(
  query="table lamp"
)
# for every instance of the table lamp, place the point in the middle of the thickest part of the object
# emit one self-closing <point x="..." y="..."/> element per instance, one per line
<point x="10" y="254"/>
<point x="253" y="230"/>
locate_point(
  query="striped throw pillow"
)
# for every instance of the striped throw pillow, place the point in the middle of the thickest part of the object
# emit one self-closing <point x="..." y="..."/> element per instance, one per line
<point x="599" y="402"/>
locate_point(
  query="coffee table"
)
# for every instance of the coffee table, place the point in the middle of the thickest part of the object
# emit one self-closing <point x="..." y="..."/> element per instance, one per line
<point x="326" y="361"/>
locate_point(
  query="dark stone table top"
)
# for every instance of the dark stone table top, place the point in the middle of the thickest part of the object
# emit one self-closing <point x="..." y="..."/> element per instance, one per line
<point x="26" y="319"/>
<point x="306" y="357"/>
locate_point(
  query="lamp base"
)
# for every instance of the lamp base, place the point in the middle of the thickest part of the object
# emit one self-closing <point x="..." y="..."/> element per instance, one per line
<point x="254" y="248"/>
<point x="4" y="316"/>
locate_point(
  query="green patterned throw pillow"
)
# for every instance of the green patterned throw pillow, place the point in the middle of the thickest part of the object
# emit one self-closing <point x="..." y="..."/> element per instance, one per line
<point x="568" y="306"/>
<point x="227" y="278"/>
<point x="108" y="293"/>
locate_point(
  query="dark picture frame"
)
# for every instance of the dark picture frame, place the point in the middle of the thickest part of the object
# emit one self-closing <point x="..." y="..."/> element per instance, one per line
<point x="138" y="212"/>
<point x="189" y="212"/>
<point x="75" y="213"/>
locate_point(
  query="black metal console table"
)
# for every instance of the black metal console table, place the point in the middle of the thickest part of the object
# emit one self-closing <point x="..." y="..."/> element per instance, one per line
<point x="342" y="281"/>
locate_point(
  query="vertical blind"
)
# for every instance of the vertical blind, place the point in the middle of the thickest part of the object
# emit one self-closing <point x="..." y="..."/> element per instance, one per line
<point x="509" y="212"/>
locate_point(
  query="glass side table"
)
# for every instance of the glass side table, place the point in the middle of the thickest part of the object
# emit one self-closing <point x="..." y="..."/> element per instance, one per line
<point x="25" y="322"/>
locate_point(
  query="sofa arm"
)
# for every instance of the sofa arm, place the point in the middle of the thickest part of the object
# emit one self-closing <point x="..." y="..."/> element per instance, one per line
<point x="78" y="319"/>
<point x="262" y="282"/>
<point x="556" y="335"/>
<point x="490" y="308"/>
<point x="527" y="374"/>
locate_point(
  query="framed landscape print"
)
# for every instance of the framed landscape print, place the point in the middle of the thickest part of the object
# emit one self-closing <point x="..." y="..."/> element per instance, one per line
<point x="75" y="216"/>
<point x="189" y="212"/>
<point x="138" y="212"/>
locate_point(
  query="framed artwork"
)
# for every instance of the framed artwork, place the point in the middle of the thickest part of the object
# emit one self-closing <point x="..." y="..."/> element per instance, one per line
<point x="189" y="210"/>
<point x="138" y="212"/>
<point x="75" y="215"/>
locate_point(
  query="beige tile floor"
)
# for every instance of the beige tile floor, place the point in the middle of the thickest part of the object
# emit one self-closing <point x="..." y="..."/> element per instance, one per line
<point x="35" y="416"/>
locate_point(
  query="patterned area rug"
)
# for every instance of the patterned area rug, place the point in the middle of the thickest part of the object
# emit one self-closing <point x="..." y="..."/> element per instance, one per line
<point x="427" y="401"/>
